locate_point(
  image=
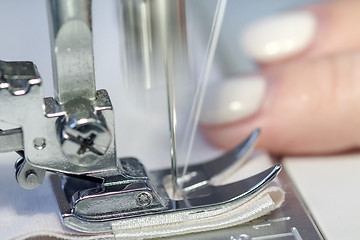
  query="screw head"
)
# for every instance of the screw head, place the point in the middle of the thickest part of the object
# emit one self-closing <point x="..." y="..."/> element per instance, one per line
<point x="244" y="237"/>
<point x="31" y="177"/>
<point x="39" y="143"/>
<point x="84" y="140"/>
<point x="144" y="199"/>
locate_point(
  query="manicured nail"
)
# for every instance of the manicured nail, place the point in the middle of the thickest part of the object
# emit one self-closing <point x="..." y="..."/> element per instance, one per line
<point x="232" y="100"/>
<point x="279" y="36"/>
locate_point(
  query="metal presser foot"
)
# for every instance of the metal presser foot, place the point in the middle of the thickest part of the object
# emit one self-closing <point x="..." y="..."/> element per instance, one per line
<point x="91" y="205"/>
<point x="73" y="136"/>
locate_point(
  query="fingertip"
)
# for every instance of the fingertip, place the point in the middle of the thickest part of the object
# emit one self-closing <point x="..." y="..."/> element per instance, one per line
<point x="314" y="31"/>
<point x="280" y="36"/>
<point x="233" y="99"/>
<point x="311" y="110"/>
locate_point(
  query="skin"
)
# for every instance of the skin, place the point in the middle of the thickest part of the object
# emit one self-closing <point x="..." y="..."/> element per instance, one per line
<point x="312" y="105"/>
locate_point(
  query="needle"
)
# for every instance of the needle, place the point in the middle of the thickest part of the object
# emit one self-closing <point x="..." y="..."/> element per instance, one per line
<point x="172" y="122"/>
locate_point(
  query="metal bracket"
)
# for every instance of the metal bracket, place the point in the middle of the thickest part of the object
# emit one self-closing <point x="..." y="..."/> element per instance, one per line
<point x="73" y="135"/>
<point x="100" y="190"/>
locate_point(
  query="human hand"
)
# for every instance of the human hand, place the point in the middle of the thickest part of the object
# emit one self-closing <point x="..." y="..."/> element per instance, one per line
<point x="306" y="97"/>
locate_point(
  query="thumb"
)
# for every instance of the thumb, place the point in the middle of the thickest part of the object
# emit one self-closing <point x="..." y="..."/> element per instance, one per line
<point x="303" y="107"/>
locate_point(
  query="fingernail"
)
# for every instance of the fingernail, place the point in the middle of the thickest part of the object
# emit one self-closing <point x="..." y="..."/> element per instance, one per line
<point x="279" y="36"/>
<point x="232" y="100"/>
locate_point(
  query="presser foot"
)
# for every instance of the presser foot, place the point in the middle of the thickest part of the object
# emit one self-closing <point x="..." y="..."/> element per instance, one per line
<point x="90" y="205"/>
<point x="96" y="190"/>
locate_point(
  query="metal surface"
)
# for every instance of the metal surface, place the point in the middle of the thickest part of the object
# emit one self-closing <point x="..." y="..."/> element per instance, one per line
<point x="214" y="171"/>
<point x="155" y="53"/>
<point x="11" y="140"/>
<point x="172" y="125"/>
<point x="110" y="190"/>
<point x="71" y="40"/>
<point x="27" y="110"/>
<point x="154" y="42"/>
<point x="74" y="133"/>
<point x="83" y="134"/>
<point x="290" y="222"/>
<point x="84" y="139"/>
<point x="74" y="201"/>
<point x="27" y="176"/>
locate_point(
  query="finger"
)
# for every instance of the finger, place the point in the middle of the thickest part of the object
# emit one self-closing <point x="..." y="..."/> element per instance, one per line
<point x="308" y="107"/>
<point x="319" y="30"/>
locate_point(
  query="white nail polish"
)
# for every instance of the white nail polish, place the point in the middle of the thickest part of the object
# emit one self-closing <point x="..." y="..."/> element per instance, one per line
<point x="280" y="36"/>
<point x="232" y="100"/>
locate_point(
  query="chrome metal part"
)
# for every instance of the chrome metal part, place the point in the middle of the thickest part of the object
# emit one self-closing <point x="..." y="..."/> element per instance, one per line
<point x="83" y="134"/>
<point x="27" y="176"/>
<point x="290" y="222"/>
<point x="11" y="140"/>
<point x="154" y="33"/>
<point x="18" y="78"/>
<point x="39" y="143"/>
<point x="214" y="171"/>
<point x="144" y="199"/>
<point x="39" y="121"/>
<point x="72" y="49"/>
<point x="73" y="134"/>
<point x="83" y="139"/>
<point x="75" y="214"/>
<point x="155" y="53"/>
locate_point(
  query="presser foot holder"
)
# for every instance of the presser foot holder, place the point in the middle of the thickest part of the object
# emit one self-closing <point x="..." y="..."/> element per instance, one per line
<point x="94" y="189"/>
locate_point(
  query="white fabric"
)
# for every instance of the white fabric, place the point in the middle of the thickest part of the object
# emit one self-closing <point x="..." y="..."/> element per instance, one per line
<point x="29" y="213"/>
<point x="230" y="215"/>
<point x="34" y="213"/>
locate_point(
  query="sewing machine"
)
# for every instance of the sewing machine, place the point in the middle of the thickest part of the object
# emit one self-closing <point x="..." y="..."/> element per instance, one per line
<point x="74" y="132"/>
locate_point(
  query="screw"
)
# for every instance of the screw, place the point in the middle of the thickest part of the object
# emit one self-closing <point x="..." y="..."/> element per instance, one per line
<point x="27" y="176"/>
<point x="144" y="199"/>
<point x="244" y="237"/>
<point x="31" y="177"/>
<point x="241" y="237"/>
<point x="84" y="140"/>
<point x="39" y="143"/>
